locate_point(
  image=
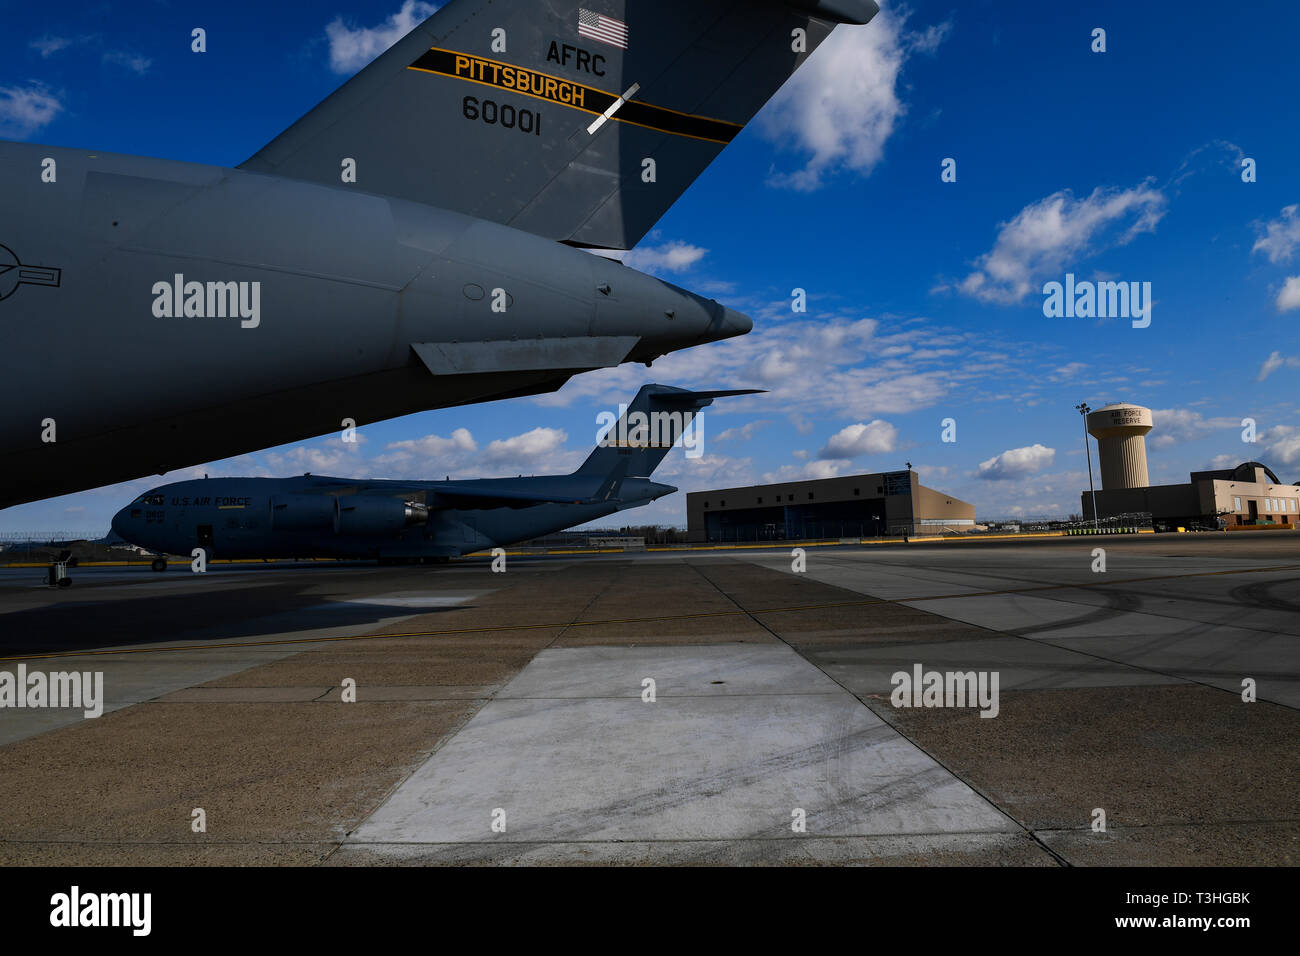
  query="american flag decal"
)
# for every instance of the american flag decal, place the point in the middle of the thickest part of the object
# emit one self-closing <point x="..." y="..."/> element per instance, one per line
<point x="603" y="29"/>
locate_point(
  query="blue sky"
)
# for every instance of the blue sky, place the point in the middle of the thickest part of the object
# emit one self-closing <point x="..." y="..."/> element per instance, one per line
<point x="924" y="297"/>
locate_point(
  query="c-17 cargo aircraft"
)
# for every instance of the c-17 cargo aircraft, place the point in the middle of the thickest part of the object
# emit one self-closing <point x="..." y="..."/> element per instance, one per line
<point x="408" y="244"/>
<point x="395" y="521"/>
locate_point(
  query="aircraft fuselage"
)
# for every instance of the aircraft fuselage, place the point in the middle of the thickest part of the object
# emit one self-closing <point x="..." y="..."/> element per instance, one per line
<point x="315" y="517"/>
<point x="160" y="314"/>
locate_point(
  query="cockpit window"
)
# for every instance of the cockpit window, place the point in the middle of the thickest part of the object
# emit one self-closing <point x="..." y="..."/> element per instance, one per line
<point x="153" y="499"/>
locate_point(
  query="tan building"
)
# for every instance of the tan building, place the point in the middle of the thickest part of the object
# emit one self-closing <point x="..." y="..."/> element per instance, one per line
<point x="1247" y="495"/>
<point x="893" y="502"/>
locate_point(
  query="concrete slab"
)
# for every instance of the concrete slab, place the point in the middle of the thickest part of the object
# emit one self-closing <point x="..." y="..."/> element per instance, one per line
<point x="1020" y="664"/>
<point x="728" y="767"/>
<point x="412" y="600"/>
<point x="926" y="849"/>
<point x="1182" y="618"/>
<point x="1215" y="654"/>
<point x="713" y="671"/>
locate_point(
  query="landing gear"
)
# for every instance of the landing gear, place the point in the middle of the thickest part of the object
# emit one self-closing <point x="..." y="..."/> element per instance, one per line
<point x="159" y="564"/>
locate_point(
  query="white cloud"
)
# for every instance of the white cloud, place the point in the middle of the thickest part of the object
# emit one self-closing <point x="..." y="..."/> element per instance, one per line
<point x="675" y="256"/>
<point x="351" y="48"/>
<point x="50" y="45"/>
<point x="930" y="475"/>
<point x="1169" y="426"/>
<point x="872" y="438"/>
<point x="1219" y="462"/>
<point x="846" y="368"/>
<point x="1057" y="231"/>
<point x="460" y="440"/>
<point x="1281" y="444"/>
<point x="1017" y="462"/>
<point x="709" y="471"/>
<point x="842" y="104"/>
<point x="531" y="448"/>
<point x="24" y="110"/>
<point x="743" y="432"/>
<point x="1067" y="371"/>
<point x="128" y="61"/>
<point x="1289" y="297"/>
<point x="1280" y="236"/>
<point x="1275" y="361"/>
<point x="332" y="458"/>
<point x="535" y="452"/>
<point x="813" y="469"/>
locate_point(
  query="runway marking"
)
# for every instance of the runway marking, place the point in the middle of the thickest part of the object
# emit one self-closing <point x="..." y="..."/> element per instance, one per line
<point x="867" y="602"/>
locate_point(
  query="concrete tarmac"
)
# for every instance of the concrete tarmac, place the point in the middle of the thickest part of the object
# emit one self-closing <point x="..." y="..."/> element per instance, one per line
<point x="670" y="707"/>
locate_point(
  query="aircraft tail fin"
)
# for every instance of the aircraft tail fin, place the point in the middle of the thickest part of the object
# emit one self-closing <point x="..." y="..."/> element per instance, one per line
<point x="658" y="417"/>
<point x="578" y="120"/>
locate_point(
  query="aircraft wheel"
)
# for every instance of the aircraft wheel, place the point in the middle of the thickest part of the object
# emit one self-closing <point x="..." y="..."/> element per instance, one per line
<point x="65" y="582"/>
<point x="159" y="564"/>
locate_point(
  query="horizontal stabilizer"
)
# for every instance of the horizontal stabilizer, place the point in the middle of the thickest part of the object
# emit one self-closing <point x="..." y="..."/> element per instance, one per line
<point x="701" y="398"/>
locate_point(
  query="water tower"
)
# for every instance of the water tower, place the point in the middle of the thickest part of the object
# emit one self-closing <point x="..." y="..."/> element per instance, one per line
<point x="1120" y="430"/>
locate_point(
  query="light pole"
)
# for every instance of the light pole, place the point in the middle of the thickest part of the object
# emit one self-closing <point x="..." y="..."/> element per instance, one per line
<point x="1083" y="411"/>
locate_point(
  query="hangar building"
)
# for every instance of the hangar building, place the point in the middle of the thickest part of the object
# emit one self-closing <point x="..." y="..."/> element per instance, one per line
<point x="893" y="502"/>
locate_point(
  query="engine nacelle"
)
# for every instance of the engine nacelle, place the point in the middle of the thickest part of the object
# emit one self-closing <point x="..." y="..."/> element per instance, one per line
<point x="376" y="514"/>
<point x="302" y="512"/>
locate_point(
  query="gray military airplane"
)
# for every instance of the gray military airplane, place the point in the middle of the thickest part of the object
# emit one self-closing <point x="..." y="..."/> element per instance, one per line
<point x="317" y="517"/>
<point x="408" y="244"/>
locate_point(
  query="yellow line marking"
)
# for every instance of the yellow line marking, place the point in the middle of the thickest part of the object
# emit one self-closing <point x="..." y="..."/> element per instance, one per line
<point x="534" y="96"/>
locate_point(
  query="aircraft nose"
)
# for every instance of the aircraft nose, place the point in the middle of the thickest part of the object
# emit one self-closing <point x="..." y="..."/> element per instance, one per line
<point x="727" y="323"/>
<point x="119" y="523"/>
<point x="735" y="323"/>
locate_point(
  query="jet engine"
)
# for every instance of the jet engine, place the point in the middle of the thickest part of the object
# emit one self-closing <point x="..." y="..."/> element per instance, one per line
<point x="376" y="514"/>
<point x="301" y="512"/>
